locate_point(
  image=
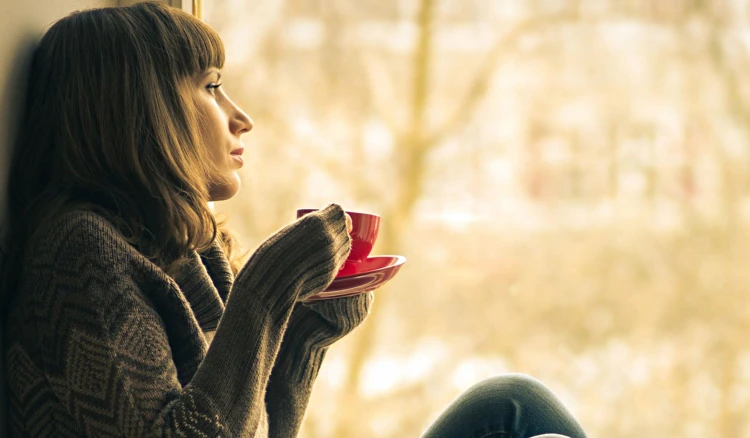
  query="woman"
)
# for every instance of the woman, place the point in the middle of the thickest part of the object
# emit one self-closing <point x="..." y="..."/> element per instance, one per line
<point x="126" y="314"/>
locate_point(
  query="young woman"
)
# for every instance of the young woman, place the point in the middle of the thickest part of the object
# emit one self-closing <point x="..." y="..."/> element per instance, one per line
<point x="125" y="314"/>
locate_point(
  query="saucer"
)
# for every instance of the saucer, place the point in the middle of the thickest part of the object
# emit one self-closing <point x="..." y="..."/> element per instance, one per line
<point x="365" y="276"/>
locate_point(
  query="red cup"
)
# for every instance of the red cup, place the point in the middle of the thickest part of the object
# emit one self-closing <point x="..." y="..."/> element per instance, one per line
<point x="365" y="227"/>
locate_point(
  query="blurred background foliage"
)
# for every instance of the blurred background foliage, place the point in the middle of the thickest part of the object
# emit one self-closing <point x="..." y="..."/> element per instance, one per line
<point x="569" y="180"/>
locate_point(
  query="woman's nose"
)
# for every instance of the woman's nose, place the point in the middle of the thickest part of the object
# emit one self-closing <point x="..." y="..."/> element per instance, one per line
<point x="240" y="122"/>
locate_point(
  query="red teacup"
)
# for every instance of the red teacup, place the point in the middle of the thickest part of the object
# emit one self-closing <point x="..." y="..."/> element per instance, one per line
<point x="365" y="227"/>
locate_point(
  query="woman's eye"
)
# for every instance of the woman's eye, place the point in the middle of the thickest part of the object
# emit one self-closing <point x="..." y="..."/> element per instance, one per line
<point x="212" y="87"/>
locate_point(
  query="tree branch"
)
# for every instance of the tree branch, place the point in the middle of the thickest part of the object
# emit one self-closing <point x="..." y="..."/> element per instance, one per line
<point x="483" y="78"/>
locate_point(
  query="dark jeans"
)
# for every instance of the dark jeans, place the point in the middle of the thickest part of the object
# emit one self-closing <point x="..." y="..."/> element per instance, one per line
<point x="507" y="406"/>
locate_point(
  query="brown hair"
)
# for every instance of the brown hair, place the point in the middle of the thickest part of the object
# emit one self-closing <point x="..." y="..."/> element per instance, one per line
<point x="109" y="127"/>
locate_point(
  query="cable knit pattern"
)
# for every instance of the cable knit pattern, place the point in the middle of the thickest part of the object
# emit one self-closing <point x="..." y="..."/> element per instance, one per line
<point x="101" y="342"/>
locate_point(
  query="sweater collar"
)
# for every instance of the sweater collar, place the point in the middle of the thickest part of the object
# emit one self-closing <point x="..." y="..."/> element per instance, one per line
<point x="219" y="269"/>
<point x="205" y="295"/>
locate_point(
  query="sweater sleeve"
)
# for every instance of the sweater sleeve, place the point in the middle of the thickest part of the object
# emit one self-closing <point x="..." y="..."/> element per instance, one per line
<point x="312" y="328"/>
<point x="108" y="355"/>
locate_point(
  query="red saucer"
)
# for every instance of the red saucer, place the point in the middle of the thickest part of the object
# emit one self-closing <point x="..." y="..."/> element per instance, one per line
<point x="361" y="277"/>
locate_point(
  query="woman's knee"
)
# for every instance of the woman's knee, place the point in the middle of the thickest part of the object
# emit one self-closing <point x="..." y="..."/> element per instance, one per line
<point x="511" y="384"/>
<point x="508" y="403"/>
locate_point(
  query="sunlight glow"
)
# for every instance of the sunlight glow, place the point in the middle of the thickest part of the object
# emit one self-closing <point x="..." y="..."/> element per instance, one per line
<point x="474" y="369"/>
<point x="387" y="372"/>
<point x="378" y="140"/>
<point x="303" y="127"/>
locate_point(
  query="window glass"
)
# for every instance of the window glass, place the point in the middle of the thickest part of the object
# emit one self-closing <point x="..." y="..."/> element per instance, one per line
<point x="569" y="181"/>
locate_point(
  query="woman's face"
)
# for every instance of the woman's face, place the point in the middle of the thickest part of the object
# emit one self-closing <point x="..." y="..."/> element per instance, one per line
<point x="223" y="124"/>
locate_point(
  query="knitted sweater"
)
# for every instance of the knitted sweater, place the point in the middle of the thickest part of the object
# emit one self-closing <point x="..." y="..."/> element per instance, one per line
<point x="101" y="342"/>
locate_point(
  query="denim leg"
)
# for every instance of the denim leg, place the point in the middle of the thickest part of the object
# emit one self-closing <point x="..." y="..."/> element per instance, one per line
<point x="507" y="406"/>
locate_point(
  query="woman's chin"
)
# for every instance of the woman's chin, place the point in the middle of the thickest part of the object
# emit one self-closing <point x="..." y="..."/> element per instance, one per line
<point x="225" y="189"/>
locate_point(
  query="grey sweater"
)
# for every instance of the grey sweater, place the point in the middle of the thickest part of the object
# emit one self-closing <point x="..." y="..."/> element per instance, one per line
<point x="101" y="342"/>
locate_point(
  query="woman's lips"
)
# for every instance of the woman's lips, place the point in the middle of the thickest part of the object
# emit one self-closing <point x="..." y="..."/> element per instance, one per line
<point x="237" y="155"/>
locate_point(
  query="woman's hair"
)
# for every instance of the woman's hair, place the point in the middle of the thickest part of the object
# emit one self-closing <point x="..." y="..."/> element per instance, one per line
<point x="109" y="126"/>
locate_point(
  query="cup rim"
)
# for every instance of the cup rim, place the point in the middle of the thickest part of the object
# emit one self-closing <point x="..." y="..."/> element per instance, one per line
<point x="349" y="212"/>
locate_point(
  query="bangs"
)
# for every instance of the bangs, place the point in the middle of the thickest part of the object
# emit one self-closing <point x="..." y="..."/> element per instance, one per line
<point x="200" y="45"/>
<point x="188" y="46"/>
